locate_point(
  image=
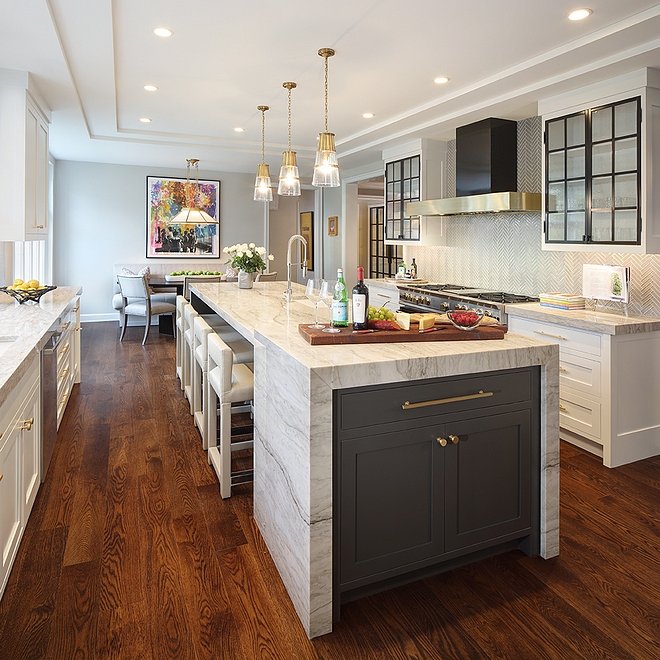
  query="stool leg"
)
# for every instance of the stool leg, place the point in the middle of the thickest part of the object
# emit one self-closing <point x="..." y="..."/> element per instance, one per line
<point x="211" y="419"/>
<point x="225" y="450"/>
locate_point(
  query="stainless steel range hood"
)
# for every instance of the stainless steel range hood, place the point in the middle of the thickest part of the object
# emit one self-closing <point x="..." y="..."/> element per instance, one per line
<point x="486" y="174"/>
<point x="501" y="202"/>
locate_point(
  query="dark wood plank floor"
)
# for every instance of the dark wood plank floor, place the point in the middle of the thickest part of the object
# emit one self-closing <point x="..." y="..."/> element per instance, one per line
<point x="130" y="553"/>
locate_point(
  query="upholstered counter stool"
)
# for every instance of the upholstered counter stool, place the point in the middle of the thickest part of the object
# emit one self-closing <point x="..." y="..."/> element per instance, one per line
<point x="181" y="302"/>
<point x="229" y="389"/>
<point x="188" y="357"/>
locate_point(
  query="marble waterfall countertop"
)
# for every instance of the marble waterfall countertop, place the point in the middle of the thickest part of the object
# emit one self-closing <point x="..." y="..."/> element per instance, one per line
<point x="605" y="322"/>
<point x="294" y="384"/>
<point x="28" y="323"/>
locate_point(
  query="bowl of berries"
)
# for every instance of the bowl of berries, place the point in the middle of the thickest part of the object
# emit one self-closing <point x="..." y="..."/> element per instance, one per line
<point x="467" y="319"/>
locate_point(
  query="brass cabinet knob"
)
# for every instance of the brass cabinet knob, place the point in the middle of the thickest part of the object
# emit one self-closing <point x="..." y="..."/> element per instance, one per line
<point x="27" y="424"/>
<point x="442" y="441"/>
<point x="454" y="439"/>
<point x="1" y="475"/>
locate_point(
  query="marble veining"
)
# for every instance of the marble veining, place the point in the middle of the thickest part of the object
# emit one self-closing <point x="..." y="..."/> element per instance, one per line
<point x="294" y="384"/>
<point x="30" y="323"/>
<point x="609" y="323"/>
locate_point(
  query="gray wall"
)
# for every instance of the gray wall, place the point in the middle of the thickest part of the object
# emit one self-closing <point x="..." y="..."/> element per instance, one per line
<point x="99" y="219"/>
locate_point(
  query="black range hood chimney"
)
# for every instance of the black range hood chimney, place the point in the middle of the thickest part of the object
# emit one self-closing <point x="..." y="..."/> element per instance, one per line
<point x="486" y="173"/>
<point x="487" y="157"/>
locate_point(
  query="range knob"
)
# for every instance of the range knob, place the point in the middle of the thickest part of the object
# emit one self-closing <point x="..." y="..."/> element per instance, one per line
<point x="427" y="300"/>
<point x="444" y="306"/>
<point x="462" y="307"/>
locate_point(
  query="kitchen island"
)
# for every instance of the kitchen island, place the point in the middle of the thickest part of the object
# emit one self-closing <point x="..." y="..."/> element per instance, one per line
<point x="295" y="386"/>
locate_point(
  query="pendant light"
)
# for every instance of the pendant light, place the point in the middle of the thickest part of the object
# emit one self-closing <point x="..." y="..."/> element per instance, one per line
<point x="191" y="214"/>
<point x="262" y="189"/>
<point x="289" y="176"/>
<point x="326" y="168"/>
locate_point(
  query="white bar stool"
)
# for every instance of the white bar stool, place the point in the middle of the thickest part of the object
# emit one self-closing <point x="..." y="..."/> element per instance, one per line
<point x="199" y="375"/>
<point x="189" y="316"/>
<point x="226" y="384"/>
<point x="180" y="343"/>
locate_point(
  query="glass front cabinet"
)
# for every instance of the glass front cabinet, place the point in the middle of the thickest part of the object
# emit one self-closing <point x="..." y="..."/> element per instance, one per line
<point x="414" y="171"/>
<point x="599" y="178"/>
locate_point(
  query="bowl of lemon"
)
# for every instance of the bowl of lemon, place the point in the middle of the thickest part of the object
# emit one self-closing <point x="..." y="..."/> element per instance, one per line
<point x="25" y="292"/>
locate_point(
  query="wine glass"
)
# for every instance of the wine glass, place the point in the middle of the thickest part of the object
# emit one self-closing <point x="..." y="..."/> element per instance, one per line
<point x="313" y="292"/>
<point x="327" y="292"/>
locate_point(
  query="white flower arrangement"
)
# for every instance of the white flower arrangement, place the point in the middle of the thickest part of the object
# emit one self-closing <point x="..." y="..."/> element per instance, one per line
<point x="248" y="258"/>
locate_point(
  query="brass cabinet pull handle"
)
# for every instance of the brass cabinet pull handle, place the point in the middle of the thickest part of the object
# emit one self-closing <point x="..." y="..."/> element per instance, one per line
<point x="64" y="373"/>
<point x="452" y="399"/>
<point x="547" y="334"/>
<point x="442" y="441"/>
<point x="1" y="475"/>
<point x="26" y="425"/>
<point x="562" y="369"/>
<point x="39" y="227"/>
<point x="64" y="326"/>
<point x="562" y="408"/>
<point x="65" y="349"/>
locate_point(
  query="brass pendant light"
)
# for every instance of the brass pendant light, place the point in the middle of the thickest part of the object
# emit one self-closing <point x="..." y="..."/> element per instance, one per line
<point x="262" y="189"/>
<point x="326" y="168"/>
<point x="289" y="176"/>
<point x="191" y="214"/>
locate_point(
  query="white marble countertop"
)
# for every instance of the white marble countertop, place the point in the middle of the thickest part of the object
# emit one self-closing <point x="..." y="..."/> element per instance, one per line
<point x="29" y="323"/>
<point x="609" y="323"/>
<point x="262" y="313"/>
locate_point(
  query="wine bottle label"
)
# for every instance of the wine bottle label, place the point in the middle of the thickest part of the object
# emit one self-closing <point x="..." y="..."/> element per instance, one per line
<point x="359" y="308"/>
<point x="339" y="311"/>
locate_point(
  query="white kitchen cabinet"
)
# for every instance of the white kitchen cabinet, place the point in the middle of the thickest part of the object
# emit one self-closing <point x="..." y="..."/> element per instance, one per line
<point x="68" y="357"/>
<point x="601" y="190"/>
<point x="608" y="384"/>
<point x="20" y="461"/>
<point x="24" y="125"/>
<point x="414" y="171"/>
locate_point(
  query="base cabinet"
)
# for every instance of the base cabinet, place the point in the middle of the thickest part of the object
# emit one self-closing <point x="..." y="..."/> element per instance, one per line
<point x="454" y="476"/>
<point x="20" y="465"/>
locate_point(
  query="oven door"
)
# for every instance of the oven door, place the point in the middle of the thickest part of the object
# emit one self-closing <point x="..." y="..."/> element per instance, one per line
<point x="411" y="308"/>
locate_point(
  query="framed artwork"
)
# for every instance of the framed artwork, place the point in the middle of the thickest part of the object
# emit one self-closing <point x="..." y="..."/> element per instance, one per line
<point x="333" y="225"/>
<point x="165" y="198"/>
<point x="307" y="232"/>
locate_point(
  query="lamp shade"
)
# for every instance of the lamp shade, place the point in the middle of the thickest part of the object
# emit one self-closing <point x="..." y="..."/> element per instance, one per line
<point x="289" y="176"/>
<point x="189" y="215"/>
<point x="262" y="190"/>
<point x="326" y="168"/>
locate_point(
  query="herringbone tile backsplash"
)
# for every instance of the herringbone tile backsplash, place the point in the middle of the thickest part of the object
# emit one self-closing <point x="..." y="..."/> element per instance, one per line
<point x="502" y="251"/>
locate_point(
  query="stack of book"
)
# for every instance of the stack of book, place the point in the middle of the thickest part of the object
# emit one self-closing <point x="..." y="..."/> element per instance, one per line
<point x="562" y="300"/>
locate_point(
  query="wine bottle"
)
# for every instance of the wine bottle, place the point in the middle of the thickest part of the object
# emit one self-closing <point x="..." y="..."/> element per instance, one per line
<point x="340" y="302"/>
<point x="360" y="302"/>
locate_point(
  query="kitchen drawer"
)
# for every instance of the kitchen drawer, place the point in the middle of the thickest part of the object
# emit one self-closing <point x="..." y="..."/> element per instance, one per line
<point x="379" y="297"/>
<point x="579" y="414"/>
<point x="364" y="408"/>
<point x="64" y="349"/>
<point x="579" y="373"/>
<point x="577" y="340"/>
<point x="64" y="388"/>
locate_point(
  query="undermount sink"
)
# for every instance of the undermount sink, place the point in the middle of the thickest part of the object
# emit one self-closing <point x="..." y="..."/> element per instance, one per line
<point x="6" y="341"/>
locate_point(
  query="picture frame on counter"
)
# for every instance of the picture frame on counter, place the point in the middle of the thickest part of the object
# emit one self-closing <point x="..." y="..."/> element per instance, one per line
<point x="333" y="225"/>
<point x="166" y="196"/>
<point x="307" y="232"/>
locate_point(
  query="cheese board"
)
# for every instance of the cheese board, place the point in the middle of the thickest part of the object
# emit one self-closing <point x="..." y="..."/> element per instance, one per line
<point x="317" y="337"/>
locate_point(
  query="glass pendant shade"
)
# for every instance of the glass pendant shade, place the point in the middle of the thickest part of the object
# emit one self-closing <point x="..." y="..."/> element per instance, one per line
<point x="326" y="168"/>
<point x="191" y="214"/>
<point x="262" y="190"/>
<point x="289" y="176"/>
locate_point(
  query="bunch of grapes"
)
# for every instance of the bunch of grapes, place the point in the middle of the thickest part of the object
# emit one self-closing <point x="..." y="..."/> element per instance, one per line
<point x="379" y="314"/>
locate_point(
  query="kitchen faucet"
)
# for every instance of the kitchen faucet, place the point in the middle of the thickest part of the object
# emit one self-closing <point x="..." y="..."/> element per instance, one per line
<point x="288" y="294"/>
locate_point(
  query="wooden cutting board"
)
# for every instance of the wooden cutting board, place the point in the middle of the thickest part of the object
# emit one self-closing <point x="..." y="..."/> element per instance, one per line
<point x="316" y="336"/>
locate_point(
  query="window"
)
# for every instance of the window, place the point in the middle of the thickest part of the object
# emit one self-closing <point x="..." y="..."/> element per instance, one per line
<point x="402" y="181"/>
<point x="384" y="259"/>
<point x="593" y="173"/>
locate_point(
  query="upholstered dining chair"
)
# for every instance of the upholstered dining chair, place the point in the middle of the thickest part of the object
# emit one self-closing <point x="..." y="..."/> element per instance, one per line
<point x="266" y="277"/>
<point x="136" y="299"/>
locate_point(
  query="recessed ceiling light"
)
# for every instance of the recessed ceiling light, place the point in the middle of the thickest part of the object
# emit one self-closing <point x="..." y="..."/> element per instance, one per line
<point x="145" y="120"/>
<point x="238" y="129"/>
<point x="579" y="14"/>
<point x="151" y="88"/>
<point x="441" y="80"/>
<point x="163" y="32"/>
<point x="368" y="115"/>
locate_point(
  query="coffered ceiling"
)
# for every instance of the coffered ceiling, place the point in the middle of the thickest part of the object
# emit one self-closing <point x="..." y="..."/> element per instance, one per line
<point x="92" y="58"/>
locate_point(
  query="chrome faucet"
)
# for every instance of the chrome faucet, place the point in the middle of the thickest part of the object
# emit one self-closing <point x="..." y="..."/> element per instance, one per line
<point x="288" y="294"/>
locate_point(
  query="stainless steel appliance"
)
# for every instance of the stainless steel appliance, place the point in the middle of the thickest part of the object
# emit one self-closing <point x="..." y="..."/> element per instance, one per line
<point x="48" y="353"/>
<point x="439" y="298"/>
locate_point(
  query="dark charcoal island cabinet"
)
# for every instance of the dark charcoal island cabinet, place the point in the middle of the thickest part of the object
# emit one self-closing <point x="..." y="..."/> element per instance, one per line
<point x="432" y="474"/>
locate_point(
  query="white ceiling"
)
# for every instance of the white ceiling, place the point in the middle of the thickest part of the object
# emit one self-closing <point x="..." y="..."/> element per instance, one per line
<point x="91" y="59"/>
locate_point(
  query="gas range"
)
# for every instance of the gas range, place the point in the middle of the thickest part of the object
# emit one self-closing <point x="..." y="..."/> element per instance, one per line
<point x="442" y="297"/>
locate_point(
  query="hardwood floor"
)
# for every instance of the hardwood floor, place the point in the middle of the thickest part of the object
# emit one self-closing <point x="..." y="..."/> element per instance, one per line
<point x="130" y="553"/>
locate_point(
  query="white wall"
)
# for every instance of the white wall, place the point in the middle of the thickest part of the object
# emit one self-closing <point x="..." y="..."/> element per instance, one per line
<point x="333" y="245"/>
<point x="99" y="219"/>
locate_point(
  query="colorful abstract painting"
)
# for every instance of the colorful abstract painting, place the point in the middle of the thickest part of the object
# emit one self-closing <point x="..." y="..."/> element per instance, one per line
<point x="165" y="198"/>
